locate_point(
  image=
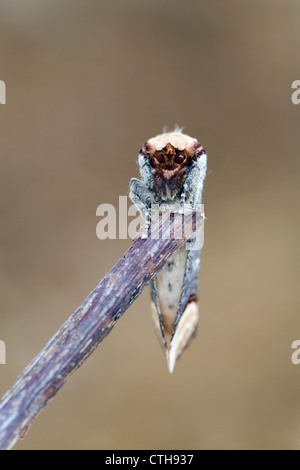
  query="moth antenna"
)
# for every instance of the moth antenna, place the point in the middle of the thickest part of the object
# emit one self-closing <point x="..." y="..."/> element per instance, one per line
<point x="178" y="129"/>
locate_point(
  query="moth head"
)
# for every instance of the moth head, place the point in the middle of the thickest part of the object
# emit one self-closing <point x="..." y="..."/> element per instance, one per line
<point x="169" y="156"/>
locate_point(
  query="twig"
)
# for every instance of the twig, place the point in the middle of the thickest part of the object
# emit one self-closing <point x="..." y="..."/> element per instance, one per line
<point x="89" y="325"/>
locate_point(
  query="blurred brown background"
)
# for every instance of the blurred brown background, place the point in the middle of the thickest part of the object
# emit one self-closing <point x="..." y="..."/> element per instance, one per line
<point x="87" y="84"/>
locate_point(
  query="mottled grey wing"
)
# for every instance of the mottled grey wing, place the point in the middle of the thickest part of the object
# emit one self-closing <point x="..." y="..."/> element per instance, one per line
<point x="186" y="322"/>
<point x="190" y="286"/>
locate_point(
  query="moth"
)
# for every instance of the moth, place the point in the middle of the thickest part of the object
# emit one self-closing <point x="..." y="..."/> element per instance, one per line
<point x="172" y="170"/>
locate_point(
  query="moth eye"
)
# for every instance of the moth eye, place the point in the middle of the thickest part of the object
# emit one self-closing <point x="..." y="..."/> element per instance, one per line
<point x="202" y="151"/>
<point x="179" y="158"/>
<point x="160" y="158"/>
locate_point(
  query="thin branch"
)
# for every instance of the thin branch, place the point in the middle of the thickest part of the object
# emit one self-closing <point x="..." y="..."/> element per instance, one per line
<point x="90" y="324"/>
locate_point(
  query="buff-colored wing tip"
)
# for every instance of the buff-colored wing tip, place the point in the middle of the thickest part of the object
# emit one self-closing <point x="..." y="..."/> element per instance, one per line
<point x="171" y="361"/>
<point x="185" y="331"/>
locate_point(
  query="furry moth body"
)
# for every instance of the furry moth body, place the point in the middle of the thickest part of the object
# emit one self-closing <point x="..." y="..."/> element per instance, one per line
<point x="172" y="168"/>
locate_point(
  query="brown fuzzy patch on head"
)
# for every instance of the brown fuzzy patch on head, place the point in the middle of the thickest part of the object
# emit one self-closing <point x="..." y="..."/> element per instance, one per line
<point x="169" y="166"/>
<point x="169" y="157"/>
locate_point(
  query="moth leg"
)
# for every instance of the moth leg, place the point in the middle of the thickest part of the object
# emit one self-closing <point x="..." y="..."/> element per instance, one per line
<point x="143" y="199"/>
<point x="141" y="196"/>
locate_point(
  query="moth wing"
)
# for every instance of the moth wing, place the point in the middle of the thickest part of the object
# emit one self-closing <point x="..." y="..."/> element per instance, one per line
<point x="186" y="322"/>
<point x="184" y="325"/>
